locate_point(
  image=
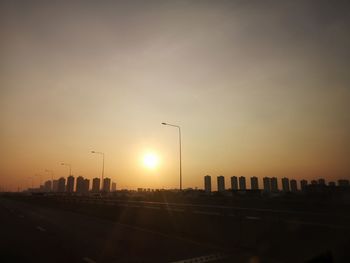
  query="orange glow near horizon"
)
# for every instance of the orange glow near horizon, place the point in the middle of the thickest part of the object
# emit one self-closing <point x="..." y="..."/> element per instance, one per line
<point x="255" y="93"/>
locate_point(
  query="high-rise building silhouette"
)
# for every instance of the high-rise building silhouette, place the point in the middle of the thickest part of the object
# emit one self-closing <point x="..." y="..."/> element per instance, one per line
<point x="303" y="185"/>
<point x="313" y="182"/>
<point x="267" y="184"/>
<point x="207" y="184"/>
<point x="55" y="186"/>
<point x="242" y="183"/>
<point x="48" y="186"/>
<point x="234" y="183"/>
<point x="61" y="185"/>
<point x="80" y="185"/>
<point x="274" y="185"/>
<point x="114" y="187"/>
<point x="96" y="182"/>
<point x="293" y="186"/>
<point x="106" y="184"/>
<point x="86" y="186"/>
<point x="221" y="183"/>
<point x="285" y="184"/>
<point x="254" y="183"/>
<point x="70" y="184"/>
<point x="321" y="181"/>
<point x="343" y="183"/>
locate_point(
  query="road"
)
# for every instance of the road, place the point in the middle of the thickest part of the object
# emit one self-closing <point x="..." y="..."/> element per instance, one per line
<point x="32" y="233"/>
<point x="43" y="230"/>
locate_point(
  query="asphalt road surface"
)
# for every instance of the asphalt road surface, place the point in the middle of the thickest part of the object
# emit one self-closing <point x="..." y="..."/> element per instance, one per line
<point x="32" y="233"/>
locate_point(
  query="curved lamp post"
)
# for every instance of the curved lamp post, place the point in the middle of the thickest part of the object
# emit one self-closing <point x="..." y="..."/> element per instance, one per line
<point x="180" y="159"/>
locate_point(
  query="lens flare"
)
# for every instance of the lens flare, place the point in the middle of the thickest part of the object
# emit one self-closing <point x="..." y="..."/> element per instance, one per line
<point x="150" y="160"/>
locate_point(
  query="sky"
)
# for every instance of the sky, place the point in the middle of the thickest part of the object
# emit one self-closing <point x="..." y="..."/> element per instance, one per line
<point x="259" y="88"/>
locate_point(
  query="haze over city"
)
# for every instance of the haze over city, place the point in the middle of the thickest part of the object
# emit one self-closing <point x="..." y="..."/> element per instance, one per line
<point x="175" y="131"/>
<point x="259" y="88"/>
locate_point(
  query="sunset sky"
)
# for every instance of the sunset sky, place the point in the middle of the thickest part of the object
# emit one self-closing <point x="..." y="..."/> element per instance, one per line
<point x="260" y="88"/>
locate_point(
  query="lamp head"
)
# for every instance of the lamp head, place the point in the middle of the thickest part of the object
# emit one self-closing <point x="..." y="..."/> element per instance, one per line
<point x="164" y="123"/>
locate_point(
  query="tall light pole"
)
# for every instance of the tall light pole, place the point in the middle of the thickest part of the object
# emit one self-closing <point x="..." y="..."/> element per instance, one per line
<point x="180" y="160"/>
<point x="103" y="166"/>
<point x="70" y="167"/>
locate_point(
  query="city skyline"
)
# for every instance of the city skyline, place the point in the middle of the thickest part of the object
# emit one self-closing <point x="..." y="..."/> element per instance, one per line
<point x="38" y="178"/>
<point x="175" y="131"/>
<point x="259" y="89"/>
<point x="71" y="185"/>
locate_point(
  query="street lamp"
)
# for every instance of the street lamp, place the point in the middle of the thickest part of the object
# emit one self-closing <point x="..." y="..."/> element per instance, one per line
<point x="177" y="126"/>
<point x="70" y="167"/>
<point x="103" y="165"/>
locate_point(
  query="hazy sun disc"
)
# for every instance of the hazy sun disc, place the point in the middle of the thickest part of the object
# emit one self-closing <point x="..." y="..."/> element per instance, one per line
<point x="150" y="160"/>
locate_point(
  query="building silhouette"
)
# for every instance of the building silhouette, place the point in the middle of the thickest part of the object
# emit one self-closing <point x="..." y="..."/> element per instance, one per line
<point x="55" y="186"/>
<point x="86" y="186"/>
<point x="285" y="184"/>
<point x="254" y="183"/>
<point x="242" y="183"/>
<point x="114" y="187"/>
<point x="106" y="185"/>
<point x="274" y="184"/>
<point x="321" y="181"/>
<point x="48" y="186"/>
<point x="61" y="185"/>
<point x="80" y="185"/>
<point x="234" y="183"/>
<point x="303" y="185"/>
<point x="267" y="184"/>
<point x="221" y="183"/>
<point x="343" y="183"/>
<point x="96" y="182"/>
<point x="207" y="184"/>
<point x="293" y="186"/>
<point x="70" y="184"/>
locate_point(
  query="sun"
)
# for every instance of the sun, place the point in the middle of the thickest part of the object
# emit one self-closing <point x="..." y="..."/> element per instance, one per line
<point x="150" y="160"/>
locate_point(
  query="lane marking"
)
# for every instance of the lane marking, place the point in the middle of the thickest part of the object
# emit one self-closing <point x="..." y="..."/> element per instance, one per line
<point x="202" y="259"/>
<point x="41" y="228"/>
<point x="89" y="260"/>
